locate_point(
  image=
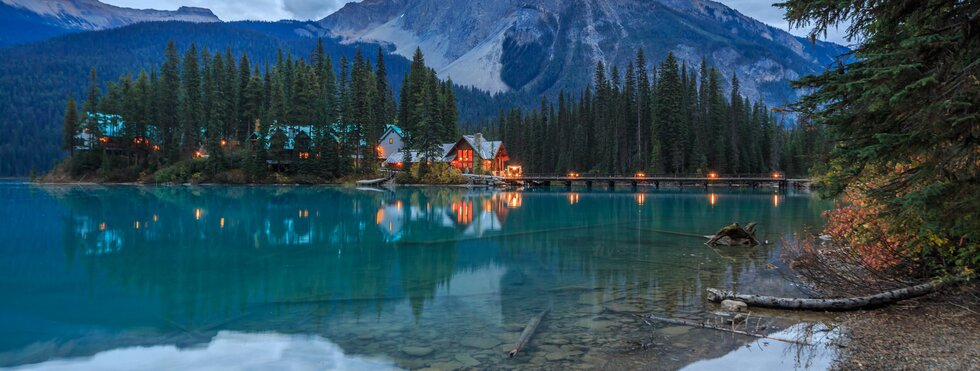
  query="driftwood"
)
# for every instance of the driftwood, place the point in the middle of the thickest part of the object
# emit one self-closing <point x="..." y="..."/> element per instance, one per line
<point x="724" y="329"/>
<point x="842" y="304"/>
<point x="532" y="325"/>
<point x="734" y="235"/>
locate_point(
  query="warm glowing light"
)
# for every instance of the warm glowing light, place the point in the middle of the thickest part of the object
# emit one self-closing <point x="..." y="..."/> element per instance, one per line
<point x="640" y="199"/>
<point x="463" y="210"/>
<point x="712" y="175"/>
<point x="102" y="226"/>
<point x="221" y="223"/>
<point x="156" y="148"/>
<point x="573" y="174"/>
<point x="641" y="174"/>
<point x="223" y="142"/>
<point x="136" y="224"/>
<point x="155" y="218"/>
<point x="775" y="200"/>
<point x="381" y="151"/>
<point x="198" y="213"/>
<point x="514" y="171"/>
<point x="379" y="216"/>
<point x="513" y="199"/>
<point x="304" y="155"/>
<point x="712" y="199"/>
<point x="776" y="175"/>
<point x="198" y="154"/>
<point x="572" y="198"/>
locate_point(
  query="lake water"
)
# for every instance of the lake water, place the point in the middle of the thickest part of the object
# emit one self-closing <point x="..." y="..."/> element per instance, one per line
<point x="134" y="277"/>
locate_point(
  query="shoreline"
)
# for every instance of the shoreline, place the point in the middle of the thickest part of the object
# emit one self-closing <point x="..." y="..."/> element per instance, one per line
<point x="938" y="331"/>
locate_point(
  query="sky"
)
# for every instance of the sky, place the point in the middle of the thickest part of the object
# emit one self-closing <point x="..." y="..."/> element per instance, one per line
<point x="272" y="10"/>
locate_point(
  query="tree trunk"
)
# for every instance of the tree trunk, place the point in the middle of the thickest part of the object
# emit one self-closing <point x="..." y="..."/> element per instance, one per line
<point x="532" y="325"/>
<point x="842" y="304"/>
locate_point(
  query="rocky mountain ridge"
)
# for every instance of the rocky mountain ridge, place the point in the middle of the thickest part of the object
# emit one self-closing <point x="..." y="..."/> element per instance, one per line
<point x="543" y="46"/>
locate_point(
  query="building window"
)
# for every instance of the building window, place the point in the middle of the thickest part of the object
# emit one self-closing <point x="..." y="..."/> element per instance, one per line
<point x="391" y="140"/>
<point x="465" y="157"/>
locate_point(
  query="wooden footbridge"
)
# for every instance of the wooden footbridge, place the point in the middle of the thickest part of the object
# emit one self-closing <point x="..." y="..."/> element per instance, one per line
<point x="613" y="181"/>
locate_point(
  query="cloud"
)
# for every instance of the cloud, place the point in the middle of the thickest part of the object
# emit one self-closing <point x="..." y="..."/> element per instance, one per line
<point x="312" y="9"/>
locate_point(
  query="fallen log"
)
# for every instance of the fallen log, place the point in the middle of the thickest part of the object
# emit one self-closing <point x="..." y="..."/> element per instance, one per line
<point x="532" y="325"/>
<point x="842" y="304"/>
<point x="734" y="235"/>
<point x="723" y="329"/>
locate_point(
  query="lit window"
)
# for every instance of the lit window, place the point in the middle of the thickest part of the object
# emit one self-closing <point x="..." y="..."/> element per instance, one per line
<point x="391" y="140"/>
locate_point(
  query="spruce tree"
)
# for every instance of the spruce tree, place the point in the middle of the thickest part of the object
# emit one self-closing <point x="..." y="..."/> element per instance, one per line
<point x="70" y="127"/>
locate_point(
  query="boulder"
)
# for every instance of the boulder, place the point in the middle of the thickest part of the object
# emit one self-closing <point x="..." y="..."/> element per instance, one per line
<point x="734" y="306"/>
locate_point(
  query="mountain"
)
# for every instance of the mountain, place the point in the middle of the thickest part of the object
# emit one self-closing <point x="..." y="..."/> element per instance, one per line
<point x="547" y="45"/>
<point x="33" y="20"/>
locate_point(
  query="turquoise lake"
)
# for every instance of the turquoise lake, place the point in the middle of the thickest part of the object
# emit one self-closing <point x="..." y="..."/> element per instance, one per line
<point x="197" y="277"/>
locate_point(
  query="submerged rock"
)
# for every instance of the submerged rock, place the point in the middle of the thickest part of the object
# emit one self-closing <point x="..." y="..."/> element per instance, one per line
<point x="417" y="351"/>
<point x="480" y="343"/>
<point x="734" y="306"/>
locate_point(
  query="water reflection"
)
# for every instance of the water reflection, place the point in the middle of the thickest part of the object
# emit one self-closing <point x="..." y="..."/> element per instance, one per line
<point x="355" y="266"/>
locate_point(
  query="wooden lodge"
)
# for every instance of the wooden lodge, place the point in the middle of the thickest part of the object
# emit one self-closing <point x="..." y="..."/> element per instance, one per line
<point x="470" y="154"/>
<point x="110" y="133"/>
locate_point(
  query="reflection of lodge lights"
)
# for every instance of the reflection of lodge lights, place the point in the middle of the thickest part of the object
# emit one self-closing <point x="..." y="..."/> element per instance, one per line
<point x="389" y="227"/>
<point x="464" y="211"/>
<point x="572" y="198"/>
<point x="303" y="214"/>
<point x="640" y="199"/>
<point x="198" y="213"/>
<point x="221" y="223"/>
<point x="513" y="199"/>
<point x="775" y="200"/>
<point x="136" y="224"/>
<point x="155" y="218"/>
<point x="379" y="216"/>
<point x="712" y="199"/>
<point x="102" y="226"/>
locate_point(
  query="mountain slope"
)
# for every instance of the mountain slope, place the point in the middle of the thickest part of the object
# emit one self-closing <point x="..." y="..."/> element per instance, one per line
<point x="547" y="45"/>
<point x="33" y="20"/>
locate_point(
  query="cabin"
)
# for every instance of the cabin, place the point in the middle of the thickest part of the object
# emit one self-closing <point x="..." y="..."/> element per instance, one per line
<point x="397" y="160"/>
<point x="110" y="133"/>
<point x="393" y="140"/>
<point x="471" y="153"/>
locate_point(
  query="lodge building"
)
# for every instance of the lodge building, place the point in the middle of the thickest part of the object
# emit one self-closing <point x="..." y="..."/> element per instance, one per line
<point x="469" y="154"/>
<point x="287" y="143"/>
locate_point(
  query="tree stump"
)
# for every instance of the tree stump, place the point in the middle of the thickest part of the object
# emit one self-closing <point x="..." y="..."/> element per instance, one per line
<point x="734" y="235"/>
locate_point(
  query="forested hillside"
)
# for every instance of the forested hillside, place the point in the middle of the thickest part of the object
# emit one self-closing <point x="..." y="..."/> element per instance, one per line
<point x="36" y="79"/>
<point x="669" y="118"/>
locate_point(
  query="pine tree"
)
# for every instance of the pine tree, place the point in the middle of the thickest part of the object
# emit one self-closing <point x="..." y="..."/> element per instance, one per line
<point x="168" y="101"/>
<point x="70" y="127"/>
<point x="190" y="101"/>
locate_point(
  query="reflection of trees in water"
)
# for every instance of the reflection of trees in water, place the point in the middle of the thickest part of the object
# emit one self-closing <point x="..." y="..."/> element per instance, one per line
<point x="335" y="246"/>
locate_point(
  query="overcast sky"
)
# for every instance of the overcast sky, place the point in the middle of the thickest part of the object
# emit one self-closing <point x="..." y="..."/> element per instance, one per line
<point x="272" y="10"/>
